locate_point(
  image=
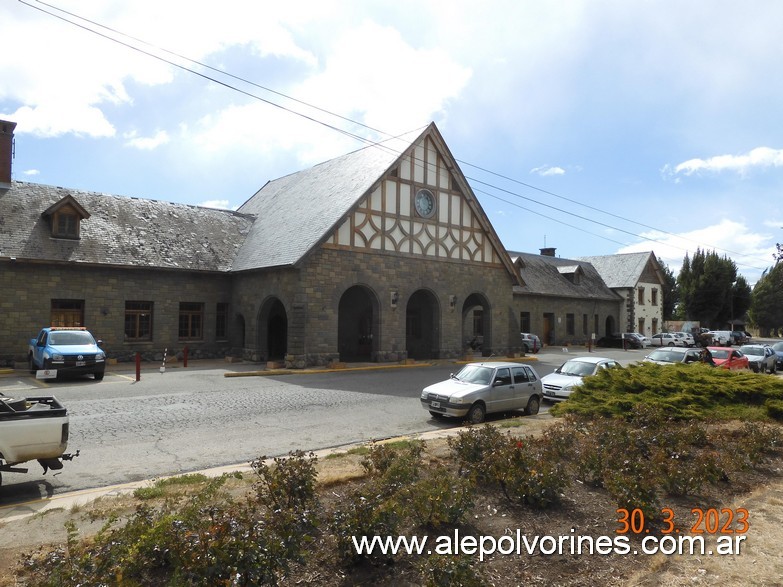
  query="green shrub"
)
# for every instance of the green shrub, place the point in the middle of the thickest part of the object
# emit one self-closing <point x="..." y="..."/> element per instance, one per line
<point x="289" y="483"/>
<point x="476" y="448"/>
<point x="439" y="499"/>
<point x="394" y="465"/>
<point x="681" y="391"/>
<point x="774" y="408"/>
<point x="369" y="512"/>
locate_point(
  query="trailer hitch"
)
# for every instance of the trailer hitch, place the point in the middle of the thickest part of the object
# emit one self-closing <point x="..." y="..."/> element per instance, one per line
<point x="56" y="464"/>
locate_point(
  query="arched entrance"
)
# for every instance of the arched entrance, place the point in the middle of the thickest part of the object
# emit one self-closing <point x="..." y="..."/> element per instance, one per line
<point x="273" y="330"/>
<point x="357" y="324"/>
<point x="422" y="325"/>
<point x="610" y="328"/>
<point x="477" y="324"/>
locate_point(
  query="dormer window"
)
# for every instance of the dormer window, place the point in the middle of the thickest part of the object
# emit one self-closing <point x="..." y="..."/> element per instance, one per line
<point x="65" y="224"/>
<point x="572" y="273"/>
<point x="65" y="218"/>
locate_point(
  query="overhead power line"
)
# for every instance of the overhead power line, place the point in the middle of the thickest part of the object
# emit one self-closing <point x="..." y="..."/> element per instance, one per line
<point x="383" y="144"/>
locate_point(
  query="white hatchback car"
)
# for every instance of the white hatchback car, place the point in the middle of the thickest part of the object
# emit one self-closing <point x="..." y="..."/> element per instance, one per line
<point x="483" y="388"/>
<point x="559" y="384"/>
<point x="667" y="339"/>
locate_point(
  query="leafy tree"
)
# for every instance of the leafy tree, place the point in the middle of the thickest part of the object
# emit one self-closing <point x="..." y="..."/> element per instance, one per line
<point x="670" y="292"/>
<point x="710" y="290"/>
<point x="766" y="309"/>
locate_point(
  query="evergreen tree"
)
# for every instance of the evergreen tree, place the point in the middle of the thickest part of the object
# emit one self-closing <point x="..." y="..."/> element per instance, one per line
<point x="670" y="293"/>
<point x="766" y="308"/>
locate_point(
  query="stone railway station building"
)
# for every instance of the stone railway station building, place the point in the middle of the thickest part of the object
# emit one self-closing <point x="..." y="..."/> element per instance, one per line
<point x="374" y="256"/>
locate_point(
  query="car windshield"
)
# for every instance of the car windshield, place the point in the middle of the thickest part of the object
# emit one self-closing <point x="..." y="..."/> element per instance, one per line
<point x="778" y="346"/>
<point x="578" y="368"/>
<point x="475" y="374"/>
<point x="71" y="338"/>
<point x="752" y="350"/>
<point x="719" y="353"/>
<point x="665" y="355"/>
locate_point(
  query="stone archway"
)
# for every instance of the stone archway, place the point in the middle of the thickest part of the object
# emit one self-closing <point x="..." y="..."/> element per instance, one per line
<point x="422" y="325"/>
<point x="477" y="324"/>
<point x="358" y="324"/>
<point x="609" y="326"/>
<point x="273" y="330"/>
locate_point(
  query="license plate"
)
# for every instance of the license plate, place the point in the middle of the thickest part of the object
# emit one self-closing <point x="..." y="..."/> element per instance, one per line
<point x="435" y="404"/>
<point x="81" y="363"/>
<point x="547" y="392"/>
<point x="46" y="374"/>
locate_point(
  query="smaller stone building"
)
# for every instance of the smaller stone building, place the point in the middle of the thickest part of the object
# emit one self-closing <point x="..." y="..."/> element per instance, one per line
<point x="564" y="301"/>
<point x="639" y="279"/>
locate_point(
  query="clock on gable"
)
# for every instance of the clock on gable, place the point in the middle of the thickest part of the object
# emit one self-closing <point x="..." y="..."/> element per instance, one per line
<point x="424" y="203"/>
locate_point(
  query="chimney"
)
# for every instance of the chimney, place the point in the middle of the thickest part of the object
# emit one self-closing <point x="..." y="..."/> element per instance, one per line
<point x="6" y="153"/>
<point x="548" y="251"/>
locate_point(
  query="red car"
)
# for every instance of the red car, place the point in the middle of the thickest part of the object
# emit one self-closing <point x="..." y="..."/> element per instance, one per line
<point x="728" y="358"/>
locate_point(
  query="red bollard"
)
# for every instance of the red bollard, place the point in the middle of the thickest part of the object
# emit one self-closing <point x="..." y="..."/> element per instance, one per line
<point x="185" y="357"/>
<point x="138" y="366"/>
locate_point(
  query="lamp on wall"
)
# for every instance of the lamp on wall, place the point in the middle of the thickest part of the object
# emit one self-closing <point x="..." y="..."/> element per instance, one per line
<point x="452" y="302"/>
<point x="393" y="298"/>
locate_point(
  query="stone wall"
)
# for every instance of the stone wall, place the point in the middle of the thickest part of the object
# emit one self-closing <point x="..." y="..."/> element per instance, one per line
<point x="26" y="292"/>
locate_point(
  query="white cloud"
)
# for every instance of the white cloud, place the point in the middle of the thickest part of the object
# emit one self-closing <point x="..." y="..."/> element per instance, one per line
<point x="760" y="157"/>
<point x="751" y="251"/>
<point x="546" y="171"/>
<point x="147" y="143"/>
<point x="30" y="172"/>
<point x="218" y="204"/>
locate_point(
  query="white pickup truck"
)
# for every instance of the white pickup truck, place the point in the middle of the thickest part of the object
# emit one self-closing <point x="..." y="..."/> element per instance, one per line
<point x="33" y="428"/>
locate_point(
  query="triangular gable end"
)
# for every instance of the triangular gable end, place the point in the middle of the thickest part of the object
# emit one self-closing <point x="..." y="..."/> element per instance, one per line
<point x="423" y="207"/>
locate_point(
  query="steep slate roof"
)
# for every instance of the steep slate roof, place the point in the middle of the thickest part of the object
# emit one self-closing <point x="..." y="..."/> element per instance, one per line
<point x="120" y="231"/>
<point x="543" y="275"/>
<point x="294" y="213"/>
<point x="624" y="270"/>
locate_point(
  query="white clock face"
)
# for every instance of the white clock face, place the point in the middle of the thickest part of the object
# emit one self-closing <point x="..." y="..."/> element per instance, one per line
<point x="425" y="203"/>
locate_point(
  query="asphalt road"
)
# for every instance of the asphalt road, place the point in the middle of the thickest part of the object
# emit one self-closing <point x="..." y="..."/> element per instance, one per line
<point x="194" y="418"/>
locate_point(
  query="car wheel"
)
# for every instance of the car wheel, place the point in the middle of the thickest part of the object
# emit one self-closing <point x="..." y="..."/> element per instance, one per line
<point x="533" y="405"/>
<point x="436" y="415"/>
<point x="99" y="376"/>
<point x="476" y="414"/>
<point x="31" y="364"/>
<point x="671" y="344"/>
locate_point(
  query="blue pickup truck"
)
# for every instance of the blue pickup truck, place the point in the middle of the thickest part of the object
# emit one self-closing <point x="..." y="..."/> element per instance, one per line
<point x="66" y="351"/>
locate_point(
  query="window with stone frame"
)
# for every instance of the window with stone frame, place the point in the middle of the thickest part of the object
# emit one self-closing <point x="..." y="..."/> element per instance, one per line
<point x="654" y="297"/>
<point x="221" y="321"/>
<point x="524" y="321"/>
<point x="570" y="328"/>
<point x="641" y="296"/>
<point x="585" y="327"/>
<point x="191" y="321"/>
<point x="138" y="320"/>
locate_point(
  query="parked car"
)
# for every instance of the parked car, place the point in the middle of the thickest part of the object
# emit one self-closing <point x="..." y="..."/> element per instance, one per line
<point x="65" y="351"/>
<point x="738" y="337"/>
<point x="721" y="337"/>
<point x="761" y="357"/>
<point x="559" y="384"/>
<point x="687" y="337"/>
<point x="530" y="342"/>
<point x="484" y="388"/>
<point x="728" y="358"/>
<point x="671" y="355"/>
<point x="643" y="340"/>
<point x="618" y="341"/>
<point x="778" y="348"/>
<point x="666" y="339"/>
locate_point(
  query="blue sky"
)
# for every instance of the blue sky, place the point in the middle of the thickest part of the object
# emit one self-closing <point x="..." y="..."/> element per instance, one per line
<point x="595" y="127"/>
